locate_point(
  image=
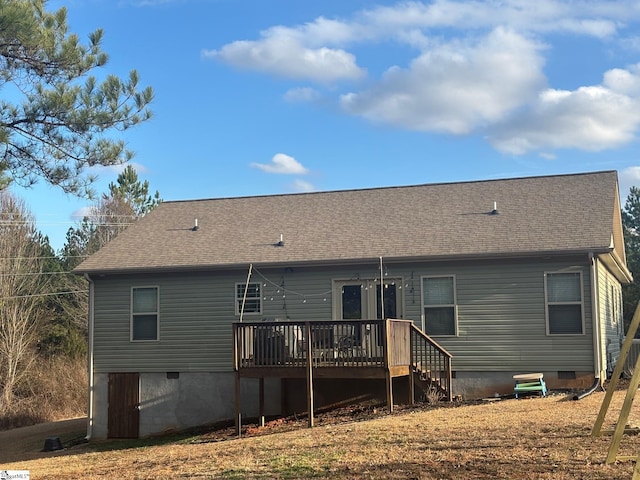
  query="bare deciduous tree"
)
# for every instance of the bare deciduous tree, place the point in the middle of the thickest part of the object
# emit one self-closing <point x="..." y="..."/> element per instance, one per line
<point x="21" y="285"/>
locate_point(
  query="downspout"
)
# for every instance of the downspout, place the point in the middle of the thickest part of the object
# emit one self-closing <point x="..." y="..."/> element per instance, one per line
<point x="595" y="310"/>
<point x="90" y="359"/>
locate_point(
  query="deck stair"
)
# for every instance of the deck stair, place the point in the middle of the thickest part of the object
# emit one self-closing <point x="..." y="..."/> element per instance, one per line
<point x="382" y="349"/>
<point x="429" y="391"/>
<point x="430" y="366"/>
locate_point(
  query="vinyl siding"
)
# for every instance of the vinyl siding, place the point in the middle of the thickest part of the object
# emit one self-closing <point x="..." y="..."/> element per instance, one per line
<point x="196" y="312"/>
<point x="502" y="319"/>
<point x="500" y="310"/>
<point x="610" y="309"/>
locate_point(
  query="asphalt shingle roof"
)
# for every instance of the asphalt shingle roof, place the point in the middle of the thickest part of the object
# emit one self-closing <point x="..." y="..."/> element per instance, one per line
<point x="538" y="214"/>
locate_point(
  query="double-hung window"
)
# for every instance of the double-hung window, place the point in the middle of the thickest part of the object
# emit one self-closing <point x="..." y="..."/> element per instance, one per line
<point x="248" y="298"/>
<point x="144" y="314"/>
<point x="439" y="305"/>
<point x="564" y="303"/>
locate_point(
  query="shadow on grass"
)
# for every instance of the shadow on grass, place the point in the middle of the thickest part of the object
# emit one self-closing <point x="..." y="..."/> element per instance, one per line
<point x="222" y="431"/>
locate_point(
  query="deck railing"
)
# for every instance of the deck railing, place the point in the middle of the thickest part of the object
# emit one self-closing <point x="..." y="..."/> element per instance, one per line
<point x="431" y="362"/>
<point x="261" y="346"/>
<point x="337" y="349"/>
<point x="340" y="343"/>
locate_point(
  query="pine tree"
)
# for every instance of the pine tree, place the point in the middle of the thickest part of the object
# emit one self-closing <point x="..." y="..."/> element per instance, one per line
<point x="631" y="228"/>
<point x="127" y="200"/>
<point x="133" y="192"/>
<point x="62" y="119"/>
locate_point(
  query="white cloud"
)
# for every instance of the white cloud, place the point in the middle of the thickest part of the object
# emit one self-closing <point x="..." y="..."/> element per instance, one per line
<point x="626" y="82"/>
<point x="631" y="43"/>
<point x="302" y="186"/>
<point x="306" y="51"/>
<point x="456" y="87"/>
<point x="469" y="73"/>
<point x="286" y="56"/>
<point x="588" y="118"/>
<point x="282" y="164"/>
<point x="305" y="95"/>
<point x="82" y="212"/>
<point x="596" y="19"/>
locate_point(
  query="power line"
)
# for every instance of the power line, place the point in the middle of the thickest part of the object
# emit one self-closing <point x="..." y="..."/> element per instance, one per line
<point x="44" y="294"/>
<point x="21" y="223"/>
<point x="28" y="274"/>
<point x="48" y="257"/>
<point x="90" y="214"/>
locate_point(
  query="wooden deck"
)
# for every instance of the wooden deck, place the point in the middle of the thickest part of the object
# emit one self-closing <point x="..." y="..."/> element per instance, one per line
<point x="381" y="349"/>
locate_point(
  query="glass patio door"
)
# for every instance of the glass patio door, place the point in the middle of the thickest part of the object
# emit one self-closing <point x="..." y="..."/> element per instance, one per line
<point x="362" y="300"/>
<point x="356" y="300"/>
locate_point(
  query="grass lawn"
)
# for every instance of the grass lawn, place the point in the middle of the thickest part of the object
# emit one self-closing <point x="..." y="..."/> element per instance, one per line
<point x="531" y="438"/>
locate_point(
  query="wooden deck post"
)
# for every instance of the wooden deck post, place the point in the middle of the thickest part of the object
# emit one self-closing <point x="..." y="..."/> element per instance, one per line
<point x="238" y="415"/>
<point x="261" y="401"/>
<point x="449" y="380"/>
<point x="236" y="367"/>
<point x="412" y="381"/>
<point x="309" y="374"/>
<point x="387" y="364"/>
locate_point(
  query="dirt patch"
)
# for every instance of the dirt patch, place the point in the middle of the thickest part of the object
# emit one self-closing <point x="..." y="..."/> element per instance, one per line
<point x="26" y="443"/>
<point x="337" y="416"/>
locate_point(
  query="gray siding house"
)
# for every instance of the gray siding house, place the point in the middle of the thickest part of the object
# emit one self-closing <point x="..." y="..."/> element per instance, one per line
<point x="509" y="276"/>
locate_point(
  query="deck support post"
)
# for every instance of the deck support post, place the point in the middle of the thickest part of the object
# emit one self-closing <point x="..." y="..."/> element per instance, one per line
<point x="309" y="374"/>
<point x="412" y="380"/>
<point x="261" y="401"/>
<point x="387" y="364"/>
<point x="238" y="415"/>
<point x="389" y="391"/>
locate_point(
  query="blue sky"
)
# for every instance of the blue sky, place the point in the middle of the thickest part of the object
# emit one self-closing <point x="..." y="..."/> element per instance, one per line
<point x="261" y="97"/>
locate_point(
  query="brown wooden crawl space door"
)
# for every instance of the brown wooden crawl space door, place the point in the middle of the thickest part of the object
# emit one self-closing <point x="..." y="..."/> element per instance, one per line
<point x="124" y="402"/>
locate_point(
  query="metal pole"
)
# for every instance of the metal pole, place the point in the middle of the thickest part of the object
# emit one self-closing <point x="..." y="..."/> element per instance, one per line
<point x="381" y="291"/>
<point x="246" y="287"/>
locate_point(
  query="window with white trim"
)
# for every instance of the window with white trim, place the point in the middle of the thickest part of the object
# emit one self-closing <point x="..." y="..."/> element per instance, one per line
<point x="564" y="303"/>
<point x="439" y="305"/>
<point x="253" y="300"/>
<point x="144" y="314"/>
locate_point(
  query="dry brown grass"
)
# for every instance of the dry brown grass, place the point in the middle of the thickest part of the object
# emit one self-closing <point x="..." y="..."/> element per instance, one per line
<point x="55" y="388"/>
<point x="536" y="438"/>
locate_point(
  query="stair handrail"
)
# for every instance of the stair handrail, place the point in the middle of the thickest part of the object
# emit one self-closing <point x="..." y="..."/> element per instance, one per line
<point x="438" y="347"/>
<point x="444" y="360"/>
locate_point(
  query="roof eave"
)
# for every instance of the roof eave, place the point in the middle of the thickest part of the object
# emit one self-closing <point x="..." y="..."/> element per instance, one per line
<point x="617" y="266"/>
<point x="357" y="261"/>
